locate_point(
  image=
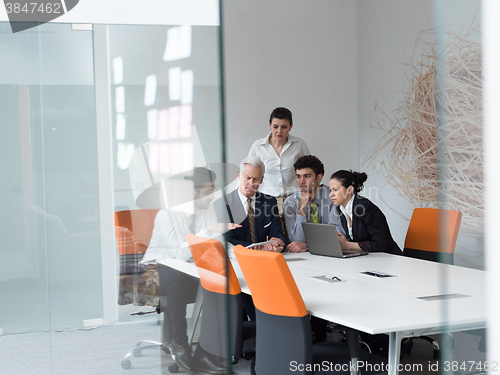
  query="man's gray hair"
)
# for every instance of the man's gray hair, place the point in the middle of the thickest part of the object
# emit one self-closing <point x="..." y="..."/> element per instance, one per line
<point x="254" y="162"/>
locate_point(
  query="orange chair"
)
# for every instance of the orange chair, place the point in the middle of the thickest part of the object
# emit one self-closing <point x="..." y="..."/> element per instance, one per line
<point x="432" y="235"/>
<point x="283" y="335"/>
<point x="138" y="284"/>
<point x="222" y="302"/>
<point x="140" y="222"/>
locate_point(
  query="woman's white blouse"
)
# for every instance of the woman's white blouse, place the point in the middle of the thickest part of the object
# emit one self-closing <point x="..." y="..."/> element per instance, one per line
<point x="279" y="178"/>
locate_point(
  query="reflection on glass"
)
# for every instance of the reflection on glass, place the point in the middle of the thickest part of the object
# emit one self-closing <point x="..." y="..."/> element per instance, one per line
<point x="187" y="79"/>
<point x="120" y="99"/>
<point x="174" y="83"/>
<point x="125" y="153"/>
<point x="150" y="90"/>
<point x="171" y="104"/>
<point x="178" y="43"/>
<point x="152" y="116"/>
<point x="121" y="127"/>
<point x="117" y="70"/>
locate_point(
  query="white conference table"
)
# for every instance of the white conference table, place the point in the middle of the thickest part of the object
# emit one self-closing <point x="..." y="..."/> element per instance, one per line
<point x="384" y="305"/>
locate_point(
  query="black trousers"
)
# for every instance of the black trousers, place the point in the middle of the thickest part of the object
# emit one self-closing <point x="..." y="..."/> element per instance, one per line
<point x="177" y="290"/>
<point x="248" y="306"/>
<point x="318" y="326"/>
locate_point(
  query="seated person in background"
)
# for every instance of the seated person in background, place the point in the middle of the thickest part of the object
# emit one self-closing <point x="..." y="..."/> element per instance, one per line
<point x="172" y="225"/>
<point x="364" y="224"/>
<point x="256" y="212"/>
<point x="312" y="203"/>
<point x="168" y="241"/>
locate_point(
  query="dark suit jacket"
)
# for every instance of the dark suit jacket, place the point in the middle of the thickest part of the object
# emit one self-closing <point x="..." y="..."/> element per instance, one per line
<point x="370" y="224"/>
<point x="267" y="220"/>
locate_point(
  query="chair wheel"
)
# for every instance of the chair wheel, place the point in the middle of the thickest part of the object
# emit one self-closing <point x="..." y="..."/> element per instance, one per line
<point x="248" y="356"/>
<point x="137" y="353"/>
<point x="173" y="368"/>
<point x="126" y="364"/>
<point x="436" y="354"/>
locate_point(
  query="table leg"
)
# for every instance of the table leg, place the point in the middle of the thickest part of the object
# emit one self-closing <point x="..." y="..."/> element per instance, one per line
<point x="394" y="351"/>
<point x="196" y="314"/>
<point x="353" y="344"/>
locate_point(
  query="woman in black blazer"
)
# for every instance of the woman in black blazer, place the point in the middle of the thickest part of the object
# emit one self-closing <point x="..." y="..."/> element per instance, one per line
<point x="367" y="229"/>
<point x="364" y="223"/>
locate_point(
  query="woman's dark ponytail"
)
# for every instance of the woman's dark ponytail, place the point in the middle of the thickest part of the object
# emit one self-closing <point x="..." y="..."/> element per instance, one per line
<point x="350" y="178"/>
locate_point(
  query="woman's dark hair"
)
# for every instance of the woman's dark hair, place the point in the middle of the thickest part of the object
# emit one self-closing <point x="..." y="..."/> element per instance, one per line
<point x="281" y="113"/>
<point x="348" y="178"/>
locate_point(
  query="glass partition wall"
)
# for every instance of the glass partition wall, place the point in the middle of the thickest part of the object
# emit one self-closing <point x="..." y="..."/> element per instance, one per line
<point x="421" y="143"/>
<point x="100" y="129"/>
<point x="50" y="224"/>
<point x="104" y="126"/>
<point x="455" y="66"/>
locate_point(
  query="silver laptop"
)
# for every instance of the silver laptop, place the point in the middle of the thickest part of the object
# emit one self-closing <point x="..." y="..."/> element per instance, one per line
<point x="322" y="240"/>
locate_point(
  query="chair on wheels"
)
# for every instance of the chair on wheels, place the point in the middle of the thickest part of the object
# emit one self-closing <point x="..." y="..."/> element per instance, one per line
<point x="283" y="335"/>
<point x="138" y="284"/>
<point x="222" y="302"/>
<point x="432" y="235"/>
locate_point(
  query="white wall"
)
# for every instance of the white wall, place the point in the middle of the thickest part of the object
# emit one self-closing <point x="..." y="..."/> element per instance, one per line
<point x="296" y="54"/>
<point x="385" y="41"/>
<point x="387" y="32"/>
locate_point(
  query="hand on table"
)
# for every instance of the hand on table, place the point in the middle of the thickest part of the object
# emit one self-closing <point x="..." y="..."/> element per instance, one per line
<point x="345" y="244"/>
<point x="297" y="247"/>
<point x="277" y="245"/>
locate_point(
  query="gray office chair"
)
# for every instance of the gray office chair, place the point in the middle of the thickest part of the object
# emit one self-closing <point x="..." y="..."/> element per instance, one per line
<point x="283" y="327"/>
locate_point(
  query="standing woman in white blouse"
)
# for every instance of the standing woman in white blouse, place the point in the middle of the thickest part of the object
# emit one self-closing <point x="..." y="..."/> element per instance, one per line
<point x="279" y="150"/>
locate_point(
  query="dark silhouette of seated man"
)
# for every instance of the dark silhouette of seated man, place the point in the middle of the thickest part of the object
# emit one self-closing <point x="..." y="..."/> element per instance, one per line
<point x="177" y="288"/>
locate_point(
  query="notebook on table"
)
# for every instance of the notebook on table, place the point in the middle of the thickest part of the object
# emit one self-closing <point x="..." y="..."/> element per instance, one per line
<point x="322" y="239"/>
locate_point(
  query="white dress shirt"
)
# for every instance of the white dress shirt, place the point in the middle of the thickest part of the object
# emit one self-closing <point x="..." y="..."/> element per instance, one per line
<point x="279" y="178"/>
<point x="347" y="211"/>
<point x="169" y="233"/>
<point x="244" y="202"/>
